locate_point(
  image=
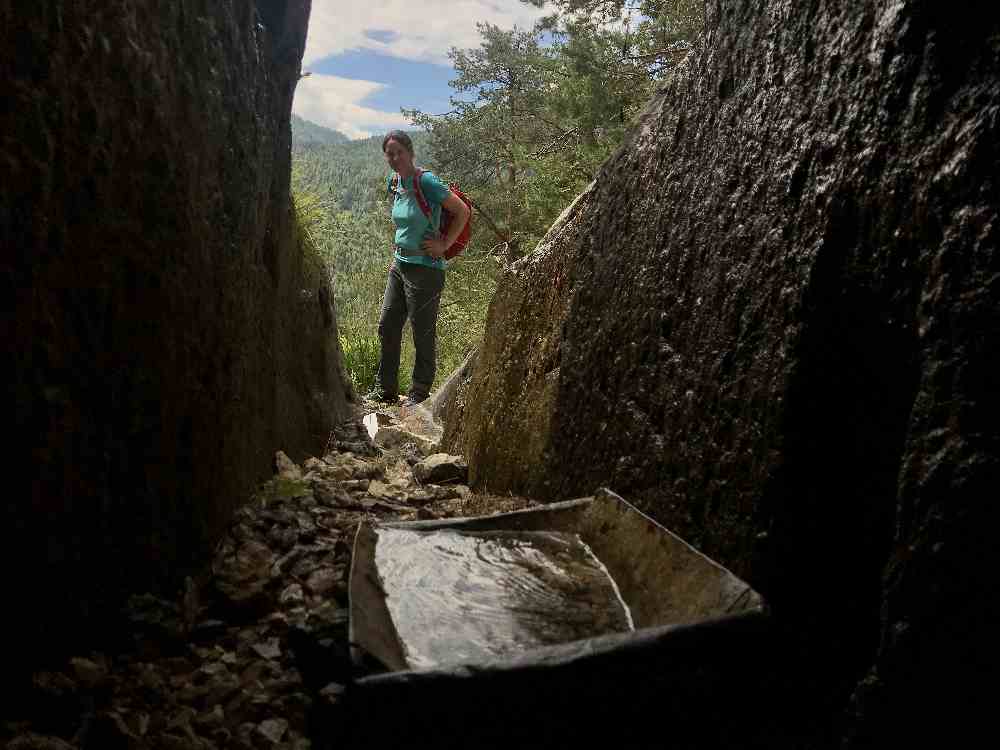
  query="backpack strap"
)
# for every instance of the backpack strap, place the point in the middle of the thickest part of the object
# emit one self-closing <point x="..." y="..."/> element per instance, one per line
<point x="424" y="206"/>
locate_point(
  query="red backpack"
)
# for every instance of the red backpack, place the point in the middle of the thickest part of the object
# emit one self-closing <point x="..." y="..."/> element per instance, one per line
<point x="446" y="216"/>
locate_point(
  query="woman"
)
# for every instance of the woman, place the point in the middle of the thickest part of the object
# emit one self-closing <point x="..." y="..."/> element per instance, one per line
<point x="416" y="275"/>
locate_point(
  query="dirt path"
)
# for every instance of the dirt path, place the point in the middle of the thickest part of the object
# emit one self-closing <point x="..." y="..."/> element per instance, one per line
<point x="246" y="652"/>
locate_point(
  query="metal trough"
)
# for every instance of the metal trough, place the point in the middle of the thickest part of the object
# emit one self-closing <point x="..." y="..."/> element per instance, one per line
<point x="700" y="637"/>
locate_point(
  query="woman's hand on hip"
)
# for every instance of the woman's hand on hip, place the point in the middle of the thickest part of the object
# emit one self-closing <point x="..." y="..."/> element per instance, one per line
<point x="434" y="247"/>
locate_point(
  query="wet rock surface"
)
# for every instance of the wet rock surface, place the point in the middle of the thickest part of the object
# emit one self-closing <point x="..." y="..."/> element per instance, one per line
<point x="251" y="647"/>
<point x="771" y="323"/>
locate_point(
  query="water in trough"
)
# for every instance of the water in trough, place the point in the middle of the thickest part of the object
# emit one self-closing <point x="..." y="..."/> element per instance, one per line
<point x="468" y="596"/>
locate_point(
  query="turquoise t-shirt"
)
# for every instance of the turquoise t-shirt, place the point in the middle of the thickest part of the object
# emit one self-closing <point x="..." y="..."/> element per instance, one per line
<point x="412" y="227"/>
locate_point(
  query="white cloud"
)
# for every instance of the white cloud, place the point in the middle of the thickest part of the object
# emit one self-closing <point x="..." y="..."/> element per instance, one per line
<point x="335" y="103"/>
<point x="424" y="30"/>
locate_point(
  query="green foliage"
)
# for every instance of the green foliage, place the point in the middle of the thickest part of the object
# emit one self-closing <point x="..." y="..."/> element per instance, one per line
<point x="360" y="352"/>
<point x="353" y="246"/>
<point x="483" y="139"/>
<point x="469" y="287"/>
<point x="654" y="32"/>
<point x="278" y="489"/>
<point x="535" y="113"/>
<point x="310" y="228"/>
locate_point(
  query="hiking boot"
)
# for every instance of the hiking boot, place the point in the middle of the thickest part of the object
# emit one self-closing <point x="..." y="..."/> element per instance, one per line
<point x="412" y="401"/>
<point x="379" y="397"/>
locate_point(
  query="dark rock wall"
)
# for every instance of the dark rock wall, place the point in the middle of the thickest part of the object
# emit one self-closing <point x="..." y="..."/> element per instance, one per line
<point x="161" y="335"/>
<point x="778" y="335"/>
<point x="500" y="416"/>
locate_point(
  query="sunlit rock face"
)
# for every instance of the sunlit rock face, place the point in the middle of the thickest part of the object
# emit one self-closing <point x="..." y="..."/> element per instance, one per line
<point x="772" y="323"/>
<point x="161" y="335"/>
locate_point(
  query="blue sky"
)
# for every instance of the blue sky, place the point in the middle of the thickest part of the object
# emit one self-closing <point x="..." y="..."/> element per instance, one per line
<point x="407" y="83"/>
<point x="368" y="58"/>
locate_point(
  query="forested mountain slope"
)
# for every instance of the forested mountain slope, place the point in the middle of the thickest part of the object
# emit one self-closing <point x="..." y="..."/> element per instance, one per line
<point x="347" y="175"/>
<point x="306" y="133"/>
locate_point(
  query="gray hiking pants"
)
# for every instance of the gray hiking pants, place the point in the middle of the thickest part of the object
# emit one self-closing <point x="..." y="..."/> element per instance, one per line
<point x="412" y="291"/>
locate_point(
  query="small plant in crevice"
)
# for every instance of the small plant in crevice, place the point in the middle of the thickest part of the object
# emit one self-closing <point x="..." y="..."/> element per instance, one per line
<point x="360" y="353"/>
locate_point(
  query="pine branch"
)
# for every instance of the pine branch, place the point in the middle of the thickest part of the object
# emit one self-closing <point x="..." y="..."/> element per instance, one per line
<point x="549" y="148"/>
<point x="489" y="221"/>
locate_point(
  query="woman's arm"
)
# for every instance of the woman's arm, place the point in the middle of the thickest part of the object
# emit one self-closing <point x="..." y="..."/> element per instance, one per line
<point x="436" y="247"/>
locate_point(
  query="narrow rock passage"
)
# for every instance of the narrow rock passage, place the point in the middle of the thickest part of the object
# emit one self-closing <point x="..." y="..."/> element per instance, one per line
<point x="247" y="650"/>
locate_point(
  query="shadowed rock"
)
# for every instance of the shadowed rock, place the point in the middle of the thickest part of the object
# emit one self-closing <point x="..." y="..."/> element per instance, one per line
<point x="772" y="323"/>
<point x="165" y="331"/>
<point x="439" y="468"/>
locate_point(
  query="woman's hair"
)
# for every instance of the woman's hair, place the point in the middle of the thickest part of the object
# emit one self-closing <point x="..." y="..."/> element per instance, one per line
<point x="401" y="138"/>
